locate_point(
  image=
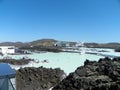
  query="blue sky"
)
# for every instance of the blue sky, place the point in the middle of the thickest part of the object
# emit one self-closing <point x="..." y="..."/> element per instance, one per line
<point x="71" y="20"/>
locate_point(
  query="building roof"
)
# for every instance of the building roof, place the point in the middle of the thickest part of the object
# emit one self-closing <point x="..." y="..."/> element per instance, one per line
<point x="6" y="71"/>
<point x="6" y="46"/>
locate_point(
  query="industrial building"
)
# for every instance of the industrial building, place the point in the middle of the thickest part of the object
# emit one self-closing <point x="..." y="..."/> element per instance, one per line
<point x="7" y="49"/>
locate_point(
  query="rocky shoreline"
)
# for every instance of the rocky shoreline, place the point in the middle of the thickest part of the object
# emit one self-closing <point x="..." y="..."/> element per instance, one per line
<point x="16" y="62"/>
<point x="41" y="78"/>
<point x="101" y="75"/>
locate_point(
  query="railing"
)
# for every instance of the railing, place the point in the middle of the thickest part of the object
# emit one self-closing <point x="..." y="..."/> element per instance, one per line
<point x="10" y="87"/>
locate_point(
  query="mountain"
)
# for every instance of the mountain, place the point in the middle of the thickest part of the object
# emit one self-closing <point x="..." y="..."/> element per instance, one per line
<point x="43" y="42"/>
<point x="51" y="42"/>
<point x="17" y="44"/>
<point x="103" y="45"/>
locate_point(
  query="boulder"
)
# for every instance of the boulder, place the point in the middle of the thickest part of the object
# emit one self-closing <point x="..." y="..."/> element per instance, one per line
<point x="31" y="78"/>
<point x="101" y="75"/>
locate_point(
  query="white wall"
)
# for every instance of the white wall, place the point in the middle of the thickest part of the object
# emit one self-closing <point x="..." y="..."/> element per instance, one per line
<point x="7" y="49"/>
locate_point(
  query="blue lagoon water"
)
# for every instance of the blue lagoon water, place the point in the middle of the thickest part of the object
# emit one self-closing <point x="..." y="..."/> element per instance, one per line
<point x="66" y="61"/>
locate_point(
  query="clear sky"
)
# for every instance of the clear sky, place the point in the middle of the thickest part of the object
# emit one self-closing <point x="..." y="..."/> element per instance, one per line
<point x="72" y="20"/>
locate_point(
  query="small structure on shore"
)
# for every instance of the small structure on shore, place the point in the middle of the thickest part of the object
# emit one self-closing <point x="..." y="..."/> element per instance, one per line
<point x="6" y="73"/>
<point x="7" y="49"/>
<point x="62" y="44"/>
<point x="45" y="61"/>
<point x="79" y="44"/>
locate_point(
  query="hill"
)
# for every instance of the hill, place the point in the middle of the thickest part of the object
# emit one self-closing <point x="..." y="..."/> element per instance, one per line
<point x="43" y="42"/>
<point x="17" y="44"/>
<point x="51" y="42"/>
<point x="103" y="45"/>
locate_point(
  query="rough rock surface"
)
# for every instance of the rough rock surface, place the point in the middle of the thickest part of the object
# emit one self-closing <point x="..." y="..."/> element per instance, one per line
<point x="101" y="75"/>
<point x="31" y="78"/>
<point x="16" y="62"/>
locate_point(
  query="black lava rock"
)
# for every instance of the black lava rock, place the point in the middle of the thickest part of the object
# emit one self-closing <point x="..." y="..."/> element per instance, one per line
<point x="31" y="78"/>
<point x="101" y="75"/>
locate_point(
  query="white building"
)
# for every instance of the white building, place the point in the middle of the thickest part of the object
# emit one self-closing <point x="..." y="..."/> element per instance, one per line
<point x="62" y="44"/>
<point x="79" y="44"/>
<point x="7" y="49"/>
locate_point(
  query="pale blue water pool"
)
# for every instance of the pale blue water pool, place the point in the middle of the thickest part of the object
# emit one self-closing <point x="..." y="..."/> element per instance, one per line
<point x="66" y="61"/>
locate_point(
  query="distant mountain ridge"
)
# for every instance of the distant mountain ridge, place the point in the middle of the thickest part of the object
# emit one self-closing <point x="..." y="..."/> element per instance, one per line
<point x="112" y="45"/>
<point x="18" y="44"/>
<point x="51" y="42"/>
<point x="41" y="42"/>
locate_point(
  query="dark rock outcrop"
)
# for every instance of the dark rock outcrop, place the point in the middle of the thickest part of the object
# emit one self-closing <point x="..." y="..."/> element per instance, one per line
<point x="117" y="50"/>
<point x="31" y="78"/>
<point x="16" y="62"/>
<point x="42" y="48"/>
<point x="101" y="75"/>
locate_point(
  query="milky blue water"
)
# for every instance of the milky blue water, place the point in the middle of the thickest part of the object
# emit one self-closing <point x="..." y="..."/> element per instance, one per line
<point x="66" y="61"/>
